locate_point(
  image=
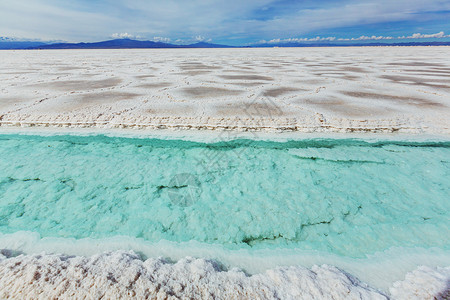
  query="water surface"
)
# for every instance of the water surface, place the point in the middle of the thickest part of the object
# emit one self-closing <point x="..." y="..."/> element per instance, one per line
<point x="346" y="197"/>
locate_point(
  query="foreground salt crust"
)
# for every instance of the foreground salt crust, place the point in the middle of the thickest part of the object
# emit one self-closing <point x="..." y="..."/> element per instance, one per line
<point x="123" y="274"/>
<point x="424" y="283"/>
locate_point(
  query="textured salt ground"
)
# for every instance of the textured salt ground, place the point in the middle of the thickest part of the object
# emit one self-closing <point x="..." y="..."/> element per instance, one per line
<point x="124" y="275"/>
<point x="376" y="89"/>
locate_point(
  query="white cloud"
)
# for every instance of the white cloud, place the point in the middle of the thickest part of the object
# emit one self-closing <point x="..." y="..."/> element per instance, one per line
<point x="200" y="38"/>
<point x="367" y="38"/>
<point x="297" y="40"/>
<point x="161" y="39"/>
<point x="438" y="35"/>
<point x="361" y="38"/>
<point x="373" y="37"/>
<point x="123" y="36"/>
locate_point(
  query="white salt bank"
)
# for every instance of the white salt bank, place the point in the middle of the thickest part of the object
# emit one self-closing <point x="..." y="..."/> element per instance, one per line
<point x="351" y="89"/>
<point x="123" y="275"/>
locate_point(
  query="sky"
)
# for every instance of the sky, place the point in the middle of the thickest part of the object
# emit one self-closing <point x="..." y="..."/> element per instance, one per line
<point x="231" y="22"/>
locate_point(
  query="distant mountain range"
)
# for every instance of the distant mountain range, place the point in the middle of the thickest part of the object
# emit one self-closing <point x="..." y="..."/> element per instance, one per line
<point x="111" y="44"/>
<point x="10" y="45"/>
<point x="134" y="44"/>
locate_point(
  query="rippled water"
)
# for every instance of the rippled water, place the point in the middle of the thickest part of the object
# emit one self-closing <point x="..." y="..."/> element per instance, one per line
<point x="345" y="197"/>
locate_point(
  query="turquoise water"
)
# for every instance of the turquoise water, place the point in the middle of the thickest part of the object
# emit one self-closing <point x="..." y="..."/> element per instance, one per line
<point x="346" y="197"/>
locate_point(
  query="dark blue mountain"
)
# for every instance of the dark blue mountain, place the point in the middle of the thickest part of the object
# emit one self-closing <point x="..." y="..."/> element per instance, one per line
<point x="111" y="44"/>
<point x="125" y="44"/>
<point x="11" y="45"/>
<point x="134" y="44"/>
<point x="206" y="45"/>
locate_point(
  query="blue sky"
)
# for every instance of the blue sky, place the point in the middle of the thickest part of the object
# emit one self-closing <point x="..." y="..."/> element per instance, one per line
<point x="233" y="22"/>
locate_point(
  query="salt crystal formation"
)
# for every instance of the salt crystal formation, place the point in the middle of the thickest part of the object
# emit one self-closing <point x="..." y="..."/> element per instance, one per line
<point x="123" y="274"/>
<point x="424" y="283"/>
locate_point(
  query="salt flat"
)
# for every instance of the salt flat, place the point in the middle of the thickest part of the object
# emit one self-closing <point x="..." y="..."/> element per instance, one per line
<point x="357" y="89"/>
<point x="303" y="219"/>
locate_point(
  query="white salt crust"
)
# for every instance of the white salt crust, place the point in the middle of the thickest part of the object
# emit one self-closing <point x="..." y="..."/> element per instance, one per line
<point x="423" y="283"/>
<point x="308" y="90"/>
<point x="123" y="274"/>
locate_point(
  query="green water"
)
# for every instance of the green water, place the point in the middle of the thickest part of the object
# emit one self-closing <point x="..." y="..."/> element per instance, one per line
<point x="346" y="197"/>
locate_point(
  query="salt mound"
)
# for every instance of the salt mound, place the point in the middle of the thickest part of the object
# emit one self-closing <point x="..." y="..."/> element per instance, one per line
<point x="123" y="274"/>
<point x="424" y="283"/>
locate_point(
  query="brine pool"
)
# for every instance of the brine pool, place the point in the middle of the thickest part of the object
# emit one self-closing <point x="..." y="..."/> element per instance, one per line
<point x="345" y="199"/>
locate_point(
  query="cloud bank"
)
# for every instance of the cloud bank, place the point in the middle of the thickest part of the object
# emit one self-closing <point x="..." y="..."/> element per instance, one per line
<point x="438" y="35"/>
<point x="123" y="36"/>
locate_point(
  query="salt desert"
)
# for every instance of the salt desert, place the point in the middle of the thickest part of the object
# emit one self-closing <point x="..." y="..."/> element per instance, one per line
<point x="365" y="89"/>
<point x="275" y="173"/>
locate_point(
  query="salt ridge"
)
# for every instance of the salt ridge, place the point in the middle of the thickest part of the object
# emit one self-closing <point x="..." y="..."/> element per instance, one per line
<point x="379" y="270"/>
<point x="122" y="274"/>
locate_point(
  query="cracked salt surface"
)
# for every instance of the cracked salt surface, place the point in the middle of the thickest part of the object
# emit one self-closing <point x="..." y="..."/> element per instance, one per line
<point x="348" y="199"/>
<point x="381" y="89"/>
